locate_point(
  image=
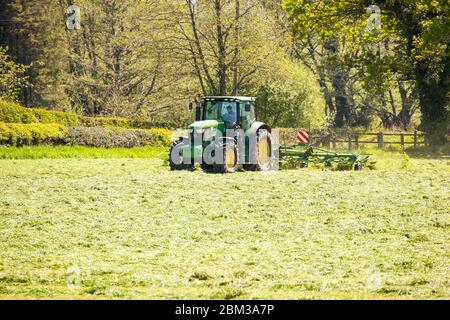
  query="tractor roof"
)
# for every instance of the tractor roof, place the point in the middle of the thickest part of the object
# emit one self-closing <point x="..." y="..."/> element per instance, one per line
<point x="229" y="98"/>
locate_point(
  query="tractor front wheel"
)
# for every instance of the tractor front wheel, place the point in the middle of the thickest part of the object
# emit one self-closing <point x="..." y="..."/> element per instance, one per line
<point x="174" y="165"/>
<point x="229" y="159"/>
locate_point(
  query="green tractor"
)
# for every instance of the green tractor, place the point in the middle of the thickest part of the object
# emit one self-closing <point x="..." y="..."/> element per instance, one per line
<point x="224" y="137"/>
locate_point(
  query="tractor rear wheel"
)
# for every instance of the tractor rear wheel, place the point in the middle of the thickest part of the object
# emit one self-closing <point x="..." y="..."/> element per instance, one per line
<point x="263" y="154"/>
<point x="229" y="160"/>
<point x="206" y="167"/>
<point x="178" y="166"/>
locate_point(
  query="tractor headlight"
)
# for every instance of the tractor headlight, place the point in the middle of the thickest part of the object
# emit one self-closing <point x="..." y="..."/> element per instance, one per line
<point x="209" y="133"/>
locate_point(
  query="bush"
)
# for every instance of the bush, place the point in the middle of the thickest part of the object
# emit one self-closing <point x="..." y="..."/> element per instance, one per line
<point x="130" y="123"/>
<point x="107" y="122"/>
<point x="11" y="112"/>
<point x="17" y="134"/>
<point x="117" y="138"/>
<point x="63" y="118"/>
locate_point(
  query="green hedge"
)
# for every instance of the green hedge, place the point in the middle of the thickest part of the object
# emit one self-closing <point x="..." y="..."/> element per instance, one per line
<point x="17" y="134"/>
<point x="117" y="138"/>
<point x="118" y="123"/>
<point x="11" y="112"/>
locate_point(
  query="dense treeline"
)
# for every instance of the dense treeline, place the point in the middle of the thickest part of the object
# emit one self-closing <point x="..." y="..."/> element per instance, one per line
<point x="307" y="61"/>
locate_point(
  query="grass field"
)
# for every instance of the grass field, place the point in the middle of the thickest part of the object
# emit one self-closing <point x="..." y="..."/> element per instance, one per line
<point x="80" y="152"/>
<point x="130" y="228"/>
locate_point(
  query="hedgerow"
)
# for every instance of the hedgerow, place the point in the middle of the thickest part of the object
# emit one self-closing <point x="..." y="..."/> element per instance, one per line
<point x="116" y="138"/>
<point x="18" y="134"/>
<point x="11" y="112"/>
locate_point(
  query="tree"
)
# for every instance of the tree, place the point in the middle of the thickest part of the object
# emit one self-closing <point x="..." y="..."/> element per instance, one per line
<point x="419" y="32"/>
<point x="31" y="31"/>
<point x="12" y="78"/>
<point x="148" y="58"/>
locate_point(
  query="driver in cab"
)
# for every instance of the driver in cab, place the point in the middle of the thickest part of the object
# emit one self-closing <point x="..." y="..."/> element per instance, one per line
<point x="229" y="116"/>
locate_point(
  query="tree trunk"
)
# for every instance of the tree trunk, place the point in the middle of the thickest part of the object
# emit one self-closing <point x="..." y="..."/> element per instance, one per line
<point x="222" y="65"/>
<point x="236" y="50"/>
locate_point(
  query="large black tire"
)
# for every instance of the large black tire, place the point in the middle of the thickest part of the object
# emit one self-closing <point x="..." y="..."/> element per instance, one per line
<point x="264" y="161"/>
<point x="230" y="158"/>
<point x="176" y="166"/>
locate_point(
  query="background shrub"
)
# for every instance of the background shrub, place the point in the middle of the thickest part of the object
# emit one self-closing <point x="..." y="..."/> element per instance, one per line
<point x="18" y="134"/>
<point x="11" y="112"/>
<point x="63" y="118"/>
<point x="116" y="138"/>
<point x="130" y="123"/>
<point x="107" y="122"/>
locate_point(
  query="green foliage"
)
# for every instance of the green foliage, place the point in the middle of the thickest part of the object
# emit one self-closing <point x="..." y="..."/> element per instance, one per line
<point x="412" y="45"/>
<point x="12" y="78"/>
<point x="117" y="138"/>
<point x="282" y="105"/>
<point x="108" y="122"/>
<point x="168" y="123"/>
<point x="11" y="112"/>
<point x="26" y="126"/>
<point x="16" y="134"/>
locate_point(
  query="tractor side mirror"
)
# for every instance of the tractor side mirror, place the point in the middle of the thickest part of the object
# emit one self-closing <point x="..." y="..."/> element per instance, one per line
<point x="191" y="105"/>
<point x="248" y="107"/>
<point x="198" y="112"/>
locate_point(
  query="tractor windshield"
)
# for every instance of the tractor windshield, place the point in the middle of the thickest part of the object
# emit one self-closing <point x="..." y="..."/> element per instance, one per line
<point x="221" y="111"/>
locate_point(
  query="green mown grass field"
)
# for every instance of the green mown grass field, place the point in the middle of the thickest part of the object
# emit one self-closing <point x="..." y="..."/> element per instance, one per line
<point x="123" y="228"/>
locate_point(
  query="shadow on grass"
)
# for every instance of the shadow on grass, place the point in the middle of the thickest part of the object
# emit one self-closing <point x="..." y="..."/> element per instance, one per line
<point x="430" y="152"/>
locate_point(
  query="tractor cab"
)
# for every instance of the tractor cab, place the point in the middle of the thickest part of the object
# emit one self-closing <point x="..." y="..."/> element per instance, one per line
<point x="229" y="112"/>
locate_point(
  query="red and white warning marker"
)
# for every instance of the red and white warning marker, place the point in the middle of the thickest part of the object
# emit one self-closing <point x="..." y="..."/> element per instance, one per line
<point x="303" y="136"/>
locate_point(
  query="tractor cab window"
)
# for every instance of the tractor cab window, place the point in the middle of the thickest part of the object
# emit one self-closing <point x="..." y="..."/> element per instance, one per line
<point x="212" y="111"/>
<point x="221" y="111"/>
<point x="247" y="114"/>
<point x="229" y="112"/>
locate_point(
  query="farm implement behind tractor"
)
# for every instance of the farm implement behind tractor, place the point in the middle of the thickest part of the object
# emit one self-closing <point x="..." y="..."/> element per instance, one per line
<point x="226" y="136"/>
<point x="302" y="154"/>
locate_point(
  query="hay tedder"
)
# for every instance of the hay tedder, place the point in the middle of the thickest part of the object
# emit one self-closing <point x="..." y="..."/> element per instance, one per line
<point x="226" y="136"/>
<point x="303" y="154"/>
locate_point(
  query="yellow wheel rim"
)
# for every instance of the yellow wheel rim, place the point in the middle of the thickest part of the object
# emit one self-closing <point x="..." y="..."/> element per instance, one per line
<point x="263" y="152"/>
<point x="230" y="158"/>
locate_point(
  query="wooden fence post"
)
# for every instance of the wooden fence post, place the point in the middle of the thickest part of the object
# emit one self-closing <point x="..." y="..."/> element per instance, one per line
<point x="380" y="140"/>
<point x="357" y="141"/>
<point x="349" y="142"/>
<point x="402" y="141"/>
<point x="327" y="142"/>
<point x="415" y="140"/>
